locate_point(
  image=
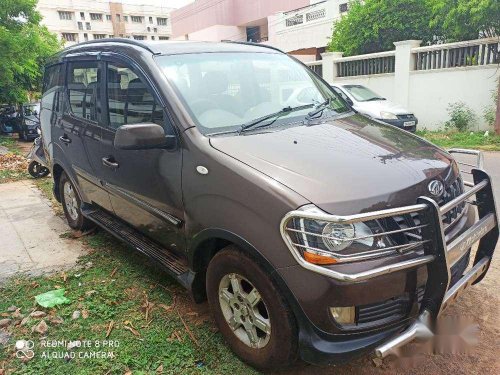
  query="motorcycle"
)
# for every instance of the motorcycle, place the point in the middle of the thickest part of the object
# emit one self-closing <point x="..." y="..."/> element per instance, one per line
<point x="38" y="164"/>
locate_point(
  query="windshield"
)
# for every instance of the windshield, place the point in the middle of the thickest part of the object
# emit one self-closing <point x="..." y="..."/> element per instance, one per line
<point x="30" y="110"/>
<point x="361" y="93"/>
<point x="224" y="91"/>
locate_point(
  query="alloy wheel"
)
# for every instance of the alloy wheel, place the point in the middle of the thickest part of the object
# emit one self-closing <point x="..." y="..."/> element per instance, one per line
<point x="244" y="310"/>
<point x="70" y="201"/>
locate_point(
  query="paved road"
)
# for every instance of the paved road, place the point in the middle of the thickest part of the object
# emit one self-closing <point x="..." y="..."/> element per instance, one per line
<point x="30" y="233"/>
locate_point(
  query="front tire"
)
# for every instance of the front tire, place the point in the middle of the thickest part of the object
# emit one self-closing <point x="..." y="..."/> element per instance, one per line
<point x="251" y="314"/>
<point x="72" y="205"/>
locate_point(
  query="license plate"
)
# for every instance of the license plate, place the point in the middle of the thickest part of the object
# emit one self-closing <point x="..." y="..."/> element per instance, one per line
<point x="409" y="123"/>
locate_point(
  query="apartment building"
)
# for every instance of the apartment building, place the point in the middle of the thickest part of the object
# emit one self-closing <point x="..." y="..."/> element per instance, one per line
<point x="77" y="21"/>
<point x="299" y="27"/>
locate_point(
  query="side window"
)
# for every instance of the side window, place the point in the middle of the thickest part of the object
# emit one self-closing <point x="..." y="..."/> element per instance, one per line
<point x="129" y="99"/>
<point x="83" y="89"/>
<point x="53" y="82"/>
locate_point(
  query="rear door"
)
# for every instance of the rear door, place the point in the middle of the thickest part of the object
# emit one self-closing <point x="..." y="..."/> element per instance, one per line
<point x="81" y="125"/>
<point x="144" y="185"/>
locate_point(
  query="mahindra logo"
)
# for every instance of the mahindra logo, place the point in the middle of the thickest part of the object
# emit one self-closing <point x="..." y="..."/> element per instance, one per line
<point x="436" y="188"/>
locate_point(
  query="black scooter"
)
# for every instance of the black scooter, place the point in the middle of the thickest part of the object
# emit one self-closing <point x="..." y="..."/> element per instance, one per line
<point x="38" y="164"/>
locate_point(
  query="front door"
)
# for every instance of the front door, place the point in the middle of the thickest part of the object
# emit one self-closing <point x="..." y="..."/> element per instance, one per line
<point x="144" y="185"/>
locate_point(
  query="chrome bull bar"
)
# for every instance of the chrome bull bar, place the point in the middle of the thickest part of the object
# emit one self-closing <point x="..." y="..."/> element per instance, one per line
<point x="438" y="293"/>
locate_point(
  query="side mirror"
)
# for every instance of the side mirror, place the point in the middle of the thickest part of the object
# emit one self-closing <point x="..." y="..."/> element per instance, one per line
<point x="142" y="136"/>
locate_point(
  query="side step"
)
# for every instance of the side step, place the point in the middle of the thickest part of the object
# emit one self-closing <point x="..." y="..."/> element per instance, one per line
<point x="173" y="264"/>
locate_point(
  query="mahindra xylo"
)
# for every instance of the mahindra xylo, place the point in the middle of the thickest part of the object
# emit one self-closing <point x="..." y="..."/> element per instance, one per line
<point x="312" y="230"/>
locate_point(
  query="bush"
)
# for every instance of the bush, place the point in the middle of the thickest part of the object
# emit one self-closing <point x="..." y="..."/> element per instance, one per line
<point x="461" y="117"/>
<point x="489" y="112"/>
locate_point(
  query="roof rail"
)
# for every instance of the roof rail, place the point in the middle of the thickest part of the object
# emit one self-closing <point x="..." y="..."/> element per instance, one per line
<point x="252" y="44"/>
<point x="113" y="40"/>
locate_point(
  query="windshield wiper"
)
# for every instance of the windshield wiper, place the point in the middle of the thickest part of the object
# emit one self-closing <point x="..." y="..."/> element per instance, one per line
<point x="374" y="98"/>
<point x="276" y="115"/>
<point x="319" y="109"/>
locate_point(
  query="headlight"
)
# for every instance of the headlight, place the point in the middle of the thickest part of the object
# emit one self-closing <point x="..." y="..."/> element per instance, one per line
<point x="388" y="116"/>
<point x="30" y="123"/>
<point x="322" y="242"/>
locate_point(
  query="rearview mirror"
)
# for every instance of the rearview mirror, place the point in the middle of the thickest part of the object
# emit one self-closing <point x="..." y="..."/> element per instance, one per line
<point x="142" y="136"/>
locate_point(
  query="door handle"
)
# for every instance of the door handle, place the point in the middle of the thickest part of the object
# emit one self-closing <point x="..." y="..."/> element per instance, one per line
<point x="110" y="162"/>
<point x="64" y="139"/>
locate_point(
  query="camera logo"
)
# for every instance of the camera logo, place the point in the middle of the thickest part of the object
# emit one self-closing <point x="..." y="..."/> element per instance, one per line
<point x="24" y="349"/>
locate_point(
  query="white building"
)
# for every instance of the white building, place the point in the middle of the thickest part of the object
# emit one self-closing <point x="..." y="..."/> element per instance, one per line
<point x="305" y="32"/>
<point x="77" y="21"/>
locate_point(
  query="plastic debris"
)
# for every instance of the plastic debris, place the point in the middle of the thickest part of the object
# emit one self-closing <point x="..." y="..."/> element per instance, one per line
<point x="52" y="298"/>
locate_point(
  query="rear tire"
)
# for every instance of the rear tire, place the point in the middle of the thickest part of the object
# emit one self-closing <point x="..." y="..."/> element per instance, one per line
<point x="252" y="315"/>
<point x="72" y="205"/>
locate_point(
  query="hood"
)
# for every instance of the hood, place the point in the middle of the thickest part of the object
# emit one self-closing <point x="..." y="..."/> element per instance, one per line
<point x="344" y="166"/>
<point x="373" y="108"/>
<point x="33" y="118"/>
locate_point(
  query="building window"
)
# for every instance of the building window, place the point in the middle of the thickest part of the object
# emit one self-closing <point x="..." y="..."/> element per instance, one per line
<point x="161" y="21"/>
<point x="155" y="29"/>
<point x="136" y="19"/>
<point x="163" y="37"/>
<point x="149" y="29"/>
<point x="82" y="15"/>
<point x="63" y="15"/>
<point x="96" y="16"/>
<point x="80" y="25"/>
<point x="152" y="37"/>
<point x="125" y="18"/>
<point x="86" y="37"/>
<point x="99" y="36"/>
<point x="69" y="37"/>
<point x="343" y="7"/>
<point x="151" y="20"/>
<point x="108" y="17"/>
<point x="111" y="36"/>
<point x="87" y="25"/>
<point x="295" y="20"/>
<point x="139" y="37"/>
<point x="118" y="18"/>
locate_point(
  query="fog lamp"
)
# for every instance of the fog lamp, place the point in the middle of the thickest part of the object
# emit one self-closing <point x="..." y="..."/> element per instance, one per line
<point x="343" y="315"/>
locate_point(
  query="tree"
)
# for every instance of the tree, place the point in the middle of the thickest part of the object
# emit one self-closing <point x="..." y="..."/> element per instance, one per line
<point x="465" y="19"/>
<point x="374" y="25"/>
<point x="25" y="45"/>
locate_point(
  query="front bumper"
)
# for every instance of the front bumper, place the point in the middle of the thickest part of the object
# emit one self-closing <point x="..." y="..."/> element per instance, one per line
<point x="439" y="257"/>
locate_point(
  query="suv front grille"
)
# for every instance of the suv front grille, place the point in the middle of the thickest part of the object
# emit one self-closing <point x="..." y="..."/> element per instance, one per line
<point x="449" y="219"/>
<point x="406" y="117"/>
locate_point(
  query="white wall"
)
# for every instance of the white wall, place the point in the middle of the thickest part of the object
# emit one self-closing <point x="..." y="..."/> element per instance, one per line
<point x="426" y="93"/>
<point x="315" y="33"/>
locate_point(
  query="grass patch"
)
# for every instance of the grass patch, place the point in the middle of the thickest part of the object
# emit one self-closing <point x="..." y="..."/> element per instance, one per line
<point x="115" y="283"/>
<point x="475" y="140"/>
<point x="10" y="144"/>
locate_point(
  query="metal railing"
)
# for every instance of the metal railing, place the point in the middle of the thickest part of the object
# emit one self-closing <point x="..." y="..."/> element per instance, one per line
<point x="376" y="63"/>
<point x="452" y="55"/>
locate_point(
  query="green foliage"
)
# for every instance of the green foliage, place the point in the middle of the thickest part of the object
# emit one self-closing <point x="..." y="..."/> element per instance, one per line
<point x="374" y="25"/>
<point x="489" y="112"/>
<point x="25" y="45"/>
<point x="465" y="19"/>
<point x="461" y="117"/>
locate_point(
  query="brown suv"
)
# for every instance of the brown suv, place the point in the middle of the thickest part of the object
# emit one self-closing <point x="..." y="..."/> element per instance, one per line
<point x="312" y="230"/>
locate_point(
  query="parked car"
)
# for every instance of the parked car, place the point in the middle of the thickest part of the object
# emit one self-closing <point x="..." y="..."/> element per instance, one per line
<point x="24" y="121"/>
<point x="312" y="230"/>
<point x="7" y="114"/>
<point x="28" y="121"/>
<point x="375" y="106"/>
